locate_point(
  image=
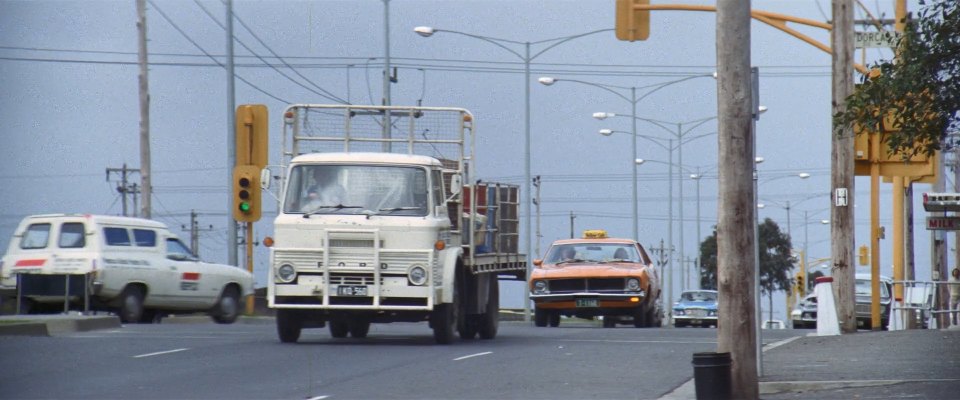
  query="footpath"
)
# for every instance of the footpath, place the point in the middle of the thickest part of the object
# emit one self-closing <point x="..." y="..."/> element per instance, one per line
<point x="915" y="364"/>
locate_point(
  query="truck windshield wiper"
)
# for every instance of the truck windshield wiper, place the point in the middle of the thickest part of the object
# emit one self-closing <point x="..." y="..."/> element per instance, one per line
<point x="389" y="209"/>
<point x="336" y="207"/>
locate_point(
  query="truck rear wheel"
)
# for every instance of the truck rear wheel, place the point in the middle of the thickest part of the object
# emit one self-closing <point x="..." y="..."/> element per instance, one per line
<point x="288" y="326"/>
<point x="359" y="328"/>
<point x="490" y="320"/>
<point x="339" y="328"/>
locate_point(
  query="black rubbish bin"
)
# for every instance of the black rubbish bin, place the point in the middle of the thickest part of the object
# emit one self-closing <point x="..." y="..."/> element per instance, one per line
<point x="711" y="375"/>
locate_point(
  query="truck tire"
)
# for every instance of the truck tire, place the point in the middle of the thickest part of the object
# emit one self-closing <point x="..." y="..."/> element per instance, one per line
<point x="359" y="328"/>
<point x="131" y="304"/>
<point x="540" y="317"/>
<point x="228" y="306"/>
<point x="339" y="328"/>
<point x="444" y="317"/>
<point x="490" y="320"/>
<point x="288" y="326"/>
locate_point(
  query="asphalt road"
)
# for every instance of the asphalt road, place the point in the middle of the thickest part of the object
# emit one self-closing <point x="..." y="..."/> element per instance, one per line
<point x="396" y="361"/>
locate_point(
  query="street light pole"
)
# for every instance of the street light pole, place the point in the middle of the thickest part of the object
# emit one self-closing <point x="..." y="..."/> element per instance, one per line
<point x="526" y="57"/>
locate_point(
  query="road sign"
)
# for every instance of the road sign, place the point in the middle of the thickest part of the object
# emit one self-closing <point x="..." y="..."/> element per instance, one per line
<point x="841" y="197"/>
<point x="863" y="40"/>
<point x="934" y="202"/>
<point x="943" y="223"/>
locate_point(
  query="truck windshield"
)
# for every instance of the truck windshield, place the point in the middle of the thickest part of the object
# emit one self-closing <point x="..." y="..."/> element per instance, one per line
<point x="356" y="189"/>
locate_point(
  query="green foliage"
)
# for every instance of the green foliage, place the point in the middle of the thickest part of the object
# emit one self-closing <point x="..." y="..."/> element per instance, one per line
<point x="775" y="259"/>
<point x="922" y="88"/>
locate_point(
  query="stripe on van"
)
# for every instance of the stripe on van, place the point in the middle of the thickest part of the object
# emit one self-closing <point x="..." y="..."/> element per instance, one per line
<point x="30" y="263"/>
<point x="191" y="276"/>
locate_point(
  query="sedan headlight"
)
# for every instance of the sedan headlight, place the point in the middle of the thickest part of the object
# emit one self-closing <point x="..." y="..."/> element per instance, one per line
<point x="712" y="313"/>
<point x="678" y="311"/>
<point x="286" y="273"/>
<point x="539" y="287"/>
<point x="633" y="284"/>
<point x="417" y="275"/>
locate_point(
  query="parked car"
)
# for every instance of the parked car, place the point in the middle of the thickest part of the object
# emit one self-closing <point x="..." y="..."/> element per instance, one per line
<point x="696" y="307"/>
<point x="132" y="266"/>
<point x="805" y="315"/>
<point x="596" y="276"/>
<point x="863" y="305"/>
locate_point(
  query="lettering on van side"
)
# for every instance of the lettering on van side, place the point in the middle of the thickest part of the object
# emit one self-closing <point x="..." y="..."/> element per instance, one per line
<point x="125" y="262"/>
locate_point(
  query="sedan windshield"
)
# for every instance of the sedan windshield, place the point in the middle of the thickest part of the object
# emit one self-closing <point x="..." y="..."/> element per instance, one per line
<point x="592" y="252"/>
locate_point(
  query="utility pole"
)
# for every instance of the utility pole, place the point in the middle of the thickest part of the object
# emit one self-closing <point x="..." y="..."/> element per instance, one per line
<point x="195" y="233"/>
<point x="125" y="187"/>
<point x="737" y="212"/>
<point x="231" y="139"/>
<point x="536" y="202"/>
<point x="145" y="177"/>
<point x="842" y="176"/>
<point x="572" y="217"/>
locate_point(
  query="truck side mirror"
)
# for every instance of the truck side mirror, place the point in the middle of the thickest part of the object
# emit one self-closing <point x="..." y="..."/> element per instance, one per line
<point x="265" y="179"/>
<point x="456" y="183"/>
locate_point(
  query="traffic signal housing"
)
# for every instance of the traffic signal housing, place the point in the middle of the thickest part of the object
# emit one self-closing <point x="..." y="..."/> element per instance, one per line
<point x="632" y="24"/>
<point x="801" y="290"/>
<point x="864" y="255"/>
<point x="246" y="193"/>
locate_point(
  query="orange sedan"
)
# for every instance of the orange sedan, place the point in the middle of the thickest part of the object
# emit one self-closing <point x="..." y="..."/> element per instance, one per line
<point x="596" y="276"/>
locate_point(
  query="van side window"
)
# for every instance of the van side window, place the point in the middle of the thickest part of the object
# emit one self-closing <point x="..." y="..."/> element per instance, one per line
<point x="116" y="236"/>
<point x="145" y="237"/>
<point x="72" y="236"/>
<point x="36" y="236"/>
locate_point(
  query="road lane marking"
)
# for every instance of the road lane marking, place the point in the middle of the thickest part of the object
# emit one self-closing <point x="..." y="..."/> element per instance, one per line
<point x="472" y="355"/>
<point x="160" y="353"/>
<point x="318" y="398"/>
<point x="640" y="341"/>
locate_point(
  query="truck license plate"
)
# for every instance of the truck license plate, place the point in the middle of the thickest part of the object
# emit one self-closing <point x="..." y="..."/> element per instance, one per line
<point x="352" y="290"/>
<point x="587" y="303"/>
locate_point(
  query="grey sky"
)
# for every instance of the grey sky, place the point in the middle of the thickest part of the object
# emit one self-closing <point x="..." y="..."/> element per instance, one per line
<point x="70" y="106"/>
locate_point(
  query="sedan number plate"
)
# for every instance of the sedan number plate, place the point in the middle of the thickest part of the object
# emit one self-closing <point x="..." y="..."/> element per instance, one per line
<point x="352" y="290"/>
<point x="587" y="303"/>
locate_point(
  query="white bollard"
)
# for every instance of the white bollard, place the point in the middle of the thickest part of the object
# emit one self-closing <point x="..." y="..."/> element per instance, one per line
<point x="896" y="317"/>
<point x="827" y="323"/>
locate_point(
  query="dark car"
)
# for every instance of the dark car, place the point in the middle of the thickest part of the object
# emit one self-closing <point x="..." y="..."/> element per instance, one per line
<point x="863" y="293"/>
<point x="696" y="307"/>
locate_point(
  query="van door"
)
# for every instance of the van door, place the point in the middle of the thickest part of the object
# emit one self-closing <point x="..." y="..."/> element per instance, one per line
<point x="186" y="273"/>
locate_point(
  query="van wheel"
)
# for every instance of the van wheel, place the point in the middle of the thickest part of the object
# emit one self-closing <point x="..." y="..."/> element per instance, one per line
<point x="228" y="307"/>
<point x="131" y="304"/>
<point x="288" y="326"/>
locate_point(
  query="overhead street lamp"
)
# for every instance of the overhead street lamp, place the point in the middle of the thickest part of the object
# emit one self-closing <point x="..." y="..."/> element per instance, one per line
<point x="633" y="100"/>
<point x="526" y="57"/>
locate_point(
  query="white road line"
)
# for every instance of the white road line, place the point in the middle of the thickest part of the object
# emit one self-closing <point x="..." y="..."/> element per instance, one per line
<point x="472" y="355"/>
<point x="640" y="341"/>
<point x="318" y="398"/>
<point x="160" y="353"/>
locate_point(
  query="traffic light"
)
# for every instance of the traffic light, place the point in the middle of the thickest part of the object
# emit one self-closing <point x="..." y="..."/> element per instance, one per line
<point x="246" y="193"/>
<point x="864" y="255"/>
<point x="801" y="290"/>
<point x="632" y="24"/>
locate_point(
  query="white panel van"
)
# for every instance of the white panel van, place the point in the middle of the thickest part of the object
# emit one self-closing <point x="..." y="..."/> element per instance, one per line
<point x="135" y="267"/>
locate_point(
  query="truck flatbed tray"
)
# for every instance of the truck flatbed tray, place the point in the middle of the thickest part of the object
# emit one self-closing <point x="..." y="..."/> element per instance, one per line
<point x="496" y="262"/>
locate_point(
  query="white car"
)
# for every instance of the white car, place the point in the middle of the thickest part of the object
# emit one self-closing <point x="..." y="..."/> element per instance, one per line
<point x="135" y="267"/>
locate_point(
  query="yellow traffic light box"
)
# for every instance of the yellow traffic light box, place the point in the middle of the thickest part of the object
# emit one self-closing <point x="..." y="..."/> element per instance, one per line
<point x="246" y="193"/>
<point x="251" y="134"/>
<point x="632" y="24"/>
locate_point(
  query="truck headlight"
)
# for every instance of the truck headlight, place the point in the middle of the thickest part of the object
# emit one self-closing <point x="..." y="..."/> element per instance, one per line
<point x="417" y="275"/>
<point x="633" y="284"/>
<point x="539" y="287"/>
<point x="286" y="273"/>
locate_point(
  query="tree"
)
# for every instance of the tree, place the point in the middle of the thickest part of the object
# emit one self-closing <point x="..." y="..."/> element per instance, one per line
<point x="921" y="89"/>
<point x="775" y="259"/>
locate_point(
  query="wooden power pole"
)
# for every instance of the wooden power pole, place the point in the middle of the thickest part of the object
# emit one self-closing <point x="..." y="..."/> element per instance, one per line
<point x="736" y="244"/>
<point x="841" y="180"/>
<point x="146" y="188"/>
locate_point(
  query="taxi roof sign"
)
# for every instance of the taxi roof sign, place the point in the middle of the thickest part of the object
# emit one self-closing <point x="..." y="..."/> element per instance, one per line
<point x="595" y="234"/>
<point x="941" y="202"/>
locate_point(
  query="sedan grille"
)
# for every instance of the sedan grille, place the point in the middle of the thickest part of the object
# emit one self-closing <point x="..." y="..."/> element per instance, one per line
<point x="587" y="285"/>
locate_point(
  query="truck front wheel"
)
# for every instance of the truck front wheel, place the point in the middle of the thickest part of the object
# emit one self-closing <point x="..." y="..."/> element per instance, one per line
<point x="339" y="328"/>
<point x="359" y="328"/>
<point x="288" y="326"/>
<point x="444" y="320"/>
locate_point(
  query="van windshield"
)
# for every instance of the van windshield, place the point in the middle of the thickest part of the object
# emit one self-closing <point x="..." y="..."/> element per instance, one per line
<point x="357" y="189"/>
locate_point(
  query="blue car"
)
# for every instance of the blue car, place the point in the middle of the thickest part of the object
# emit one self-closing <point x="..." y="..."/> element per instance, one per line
<point x="696" y="307"/>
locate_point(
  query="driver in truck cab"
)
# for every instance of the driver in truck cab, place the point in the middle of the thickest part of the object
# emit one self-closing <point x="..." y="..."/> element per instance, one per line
<point x="325" y="190"/>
